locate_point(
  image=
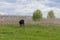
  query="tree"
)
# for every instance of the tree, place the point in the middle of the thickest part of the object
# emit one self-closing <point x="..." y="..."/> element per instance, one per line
<point x="37" y="15"/>
<point x="51" y="14"/>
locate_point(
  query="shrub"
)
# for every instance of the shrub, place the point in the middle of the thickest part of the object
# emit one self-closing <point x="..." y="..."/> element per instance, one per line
<point x="51" y="14"/>
<point x="37" y="15"/>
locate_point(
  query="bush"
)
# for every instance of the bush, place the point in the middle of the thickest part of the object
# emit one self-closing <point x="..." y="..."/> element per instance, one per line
<point x="51" y="14"/>
<point x="37" y="15"/>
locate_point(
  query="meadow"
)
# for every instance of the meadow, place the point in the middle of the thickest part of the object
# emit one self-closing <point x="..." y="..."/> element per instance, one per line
<point x="29" y="32"/>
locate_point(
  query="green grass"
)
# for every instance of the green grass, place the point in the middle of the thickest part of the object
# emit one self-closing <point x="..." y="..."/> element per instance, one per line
<point x="29" y="32"/>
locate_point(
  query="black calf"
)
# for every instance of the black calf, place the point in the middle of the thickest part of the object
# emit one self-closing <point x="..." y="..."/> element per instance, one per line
<point x="21" y="22"/>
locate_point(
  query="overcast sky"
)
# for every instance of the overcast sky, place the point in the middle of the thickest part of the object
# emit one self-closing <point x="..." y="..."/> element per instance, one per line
<point x="27" y="7"/>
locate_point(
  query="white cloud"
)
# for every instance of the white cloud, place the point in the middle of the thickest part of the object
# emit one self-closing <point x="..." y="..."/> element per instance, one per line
<point x="1" y="13"/>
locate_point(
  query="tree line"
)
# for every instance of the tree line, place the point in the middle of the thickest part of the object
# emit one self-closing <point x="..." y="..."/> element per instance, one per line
<point x="37" y="14"/>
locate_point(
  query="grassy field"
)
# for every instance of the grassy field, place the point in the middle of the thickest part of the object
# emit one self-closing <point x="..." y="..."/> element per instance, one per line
<point x="29" y="32"/>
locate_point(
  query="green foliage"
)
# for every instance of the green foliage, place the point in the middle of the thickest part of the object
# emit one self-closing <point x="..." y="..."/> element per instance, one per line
<point x="37" y="15"/>
<point x="51" y="14"/>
